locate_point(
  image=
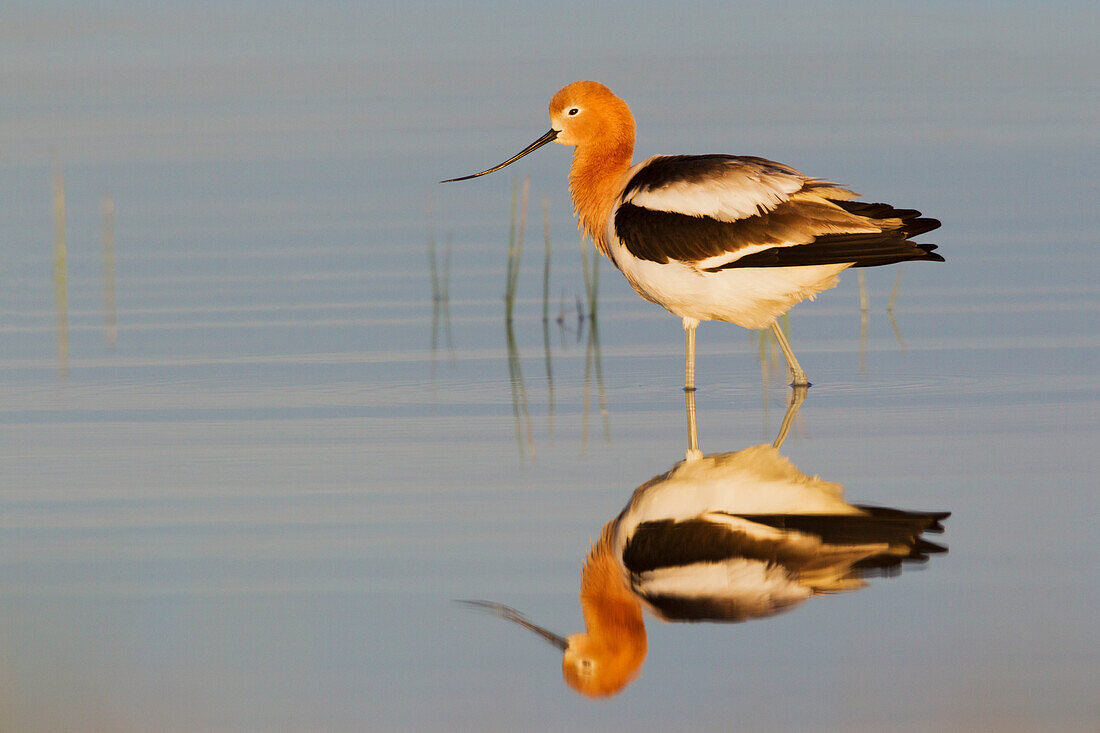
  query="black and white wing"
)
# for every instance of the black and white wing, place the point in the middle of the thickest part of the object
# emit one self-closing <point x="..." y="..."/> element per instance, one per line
<point x="703" y="570"/>
<point x="716" y="212"/>
<point x="723" y="567"/>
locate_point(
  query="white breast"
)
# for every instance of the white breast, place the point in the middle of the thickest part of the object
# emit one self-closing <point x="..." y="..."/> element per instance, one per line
<point x="752" y="297"/>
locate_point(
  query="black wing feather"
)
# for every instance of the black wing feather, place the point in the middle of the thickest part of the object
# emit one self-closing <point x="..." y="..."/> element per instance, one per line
<point x="669" y="543"/>
<point x="864" y="250"/>
<point x="718" y="609"/>
<point x="892" y="526"/>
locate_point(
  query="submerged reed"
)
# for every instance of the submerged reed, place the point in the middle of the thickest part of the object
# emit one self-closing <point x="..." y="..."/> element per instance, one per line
<point x="515" y="245"/>
<point x="441" y="276"/>
<point x="590" y="264"/>
<point x="441" y="293"/>
<point x="546" y="260"/>
<point x="525" y="438"/>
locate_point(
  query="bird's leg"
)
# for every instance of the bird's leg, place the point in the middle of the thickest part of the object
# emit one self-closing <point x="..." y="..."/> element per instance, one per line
<point x="689" y="354"/>
<point x="798" y="377"/>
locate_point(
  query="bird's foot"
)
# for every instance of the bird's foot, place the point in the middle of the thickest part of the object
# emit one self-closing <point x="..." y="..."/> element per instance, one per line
<point x="798" y="379"/>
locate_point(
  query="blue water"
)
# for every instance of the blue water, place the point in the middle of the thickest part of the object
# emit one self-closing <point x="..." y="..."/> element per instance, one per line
<point x="252" y="505"/>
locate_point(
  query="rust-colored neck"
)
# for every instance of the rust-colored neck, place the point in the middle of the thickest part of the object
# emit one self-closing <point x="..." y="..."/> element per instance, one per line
<point x="604" y="659"/>
<point x="612" y="612"/>
<point x="596" y="179"/>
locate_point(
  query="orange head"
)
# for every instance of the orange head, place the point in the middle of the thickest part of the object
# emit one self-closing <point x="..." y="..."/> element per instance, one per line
<point x="585" y="114"/>
<point x="609" y="655"/>
<point x="600" y="667"/>
<point x="594" y="664"/>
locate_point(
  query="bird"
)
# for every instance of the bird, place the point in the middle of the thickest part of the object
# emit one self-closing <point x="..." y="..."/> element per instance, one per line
<point x="725" y="537"/>
<point x="731" y="238"/>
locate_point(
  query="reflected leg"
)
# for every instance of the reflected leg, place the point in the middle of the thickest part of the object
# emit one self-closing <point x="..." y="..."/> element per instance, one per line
<point x="693" y="451"/>
<point x="798" y="396"/>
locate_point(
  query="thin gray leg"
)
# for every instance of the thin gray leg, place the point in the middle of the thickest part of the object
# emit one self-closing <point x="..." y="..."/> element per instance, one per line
<point x="689" y="354"/>
<point x="798" y="377"/>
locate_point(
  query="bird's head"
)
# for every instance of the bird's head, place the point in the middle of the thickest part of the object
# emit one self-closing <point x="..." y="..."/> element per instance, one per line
<point x="585" y="114"/>
<point x="593" y="665"/>
<point x="595" y="668"/>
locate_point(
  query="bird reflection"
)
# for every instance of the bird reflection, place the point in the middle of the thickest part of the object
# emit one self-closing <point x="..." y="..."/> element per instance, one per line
<point x="724" y="537"/>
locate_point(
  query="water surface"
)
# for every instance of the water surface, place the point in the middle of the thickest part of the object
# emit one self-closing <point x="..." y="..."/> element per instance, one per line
<point x="246" y="496"/>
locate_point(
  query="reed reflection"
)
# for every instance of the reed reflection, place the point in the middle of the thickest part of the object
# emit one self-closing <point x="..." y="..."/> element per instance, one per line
<point x="441" y="294"/>
<point x="587" y="330"/>
<point x="593" y="364"/>
<point x="524" y="434"/>
<point x="724" y="537"/>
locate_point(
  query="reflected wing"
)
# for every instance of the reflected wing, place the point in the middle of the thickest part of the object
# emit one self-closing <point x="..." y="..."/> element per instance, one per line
<point x="900" y="531"/>
<point x="721" y="211"/>
<point x="711" y="538"/>
<point x="724" y="567"/>
<point x="732" y="590"/>
<point x="715" y="568"/>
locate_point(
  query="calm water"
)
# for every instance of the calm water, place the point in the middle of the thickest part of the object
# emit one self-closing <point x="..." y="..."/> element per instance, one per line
<point x="247" y="464"/>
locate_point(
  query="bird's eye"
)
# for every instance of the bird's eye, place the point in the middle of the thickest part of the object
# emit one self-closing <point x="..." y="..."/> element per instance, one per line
<point x="586" y="666"/>
<point x="572" y="111"/>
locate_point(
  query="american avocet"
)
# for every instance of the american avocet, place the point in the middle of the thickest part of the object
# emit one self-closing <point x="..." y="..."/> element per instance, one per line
<point x="722" y="538"/>
<point x="716" y="237"/>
